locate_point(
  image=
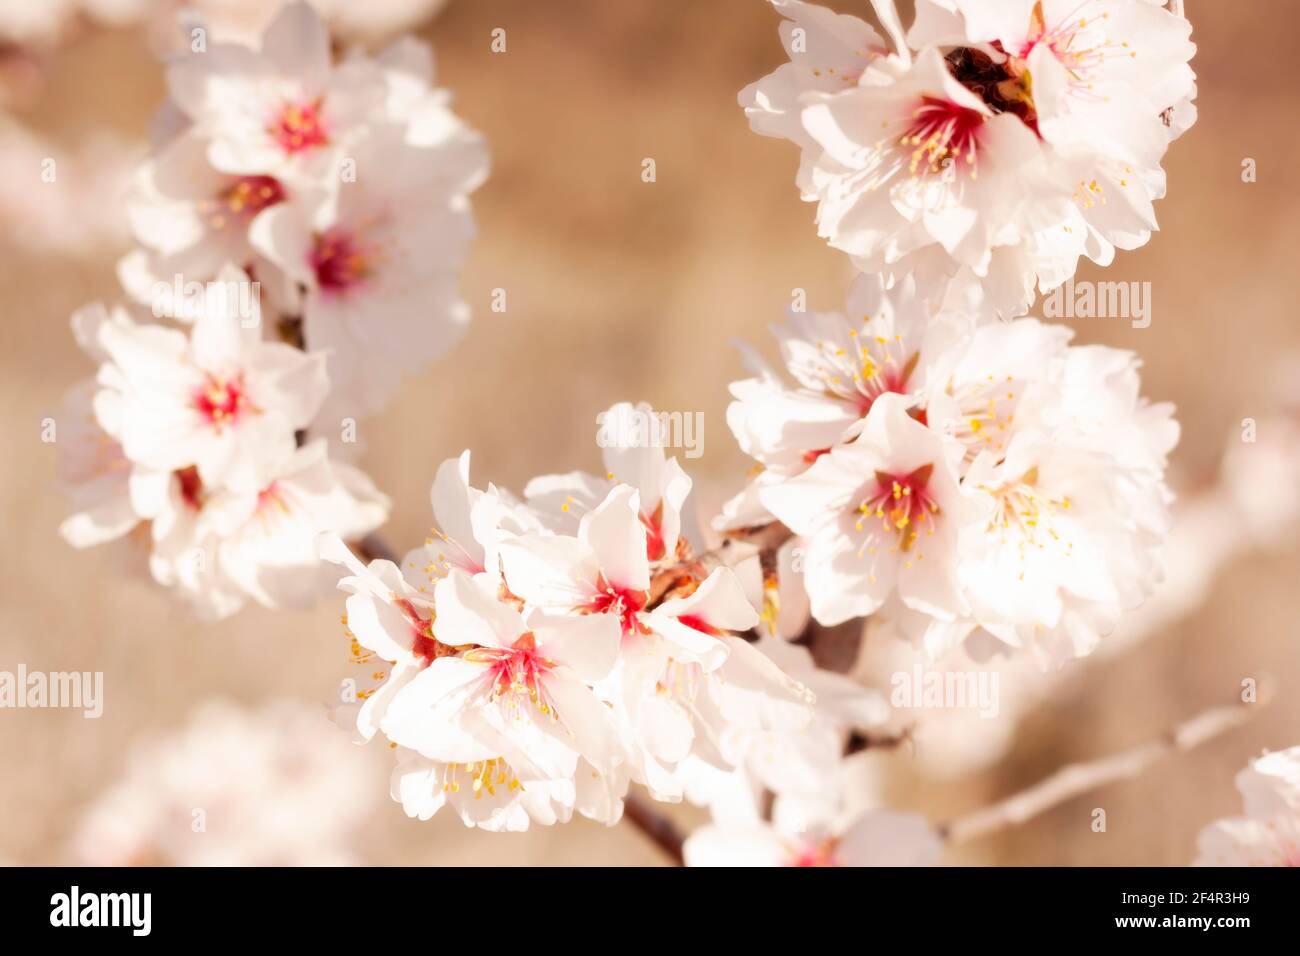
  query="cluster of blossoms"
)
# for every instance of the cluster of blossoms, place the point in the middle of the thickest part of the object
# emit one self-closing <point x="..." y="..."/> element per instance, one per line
<point x="301" y="227"/>
<point x="536" y="656"/>
<point x="1269" y="833"/>
<point x="959" y="477"/>
<point x="234" y="787"/>
<point x="990" y="145"/>
<point x="971" y="481"/>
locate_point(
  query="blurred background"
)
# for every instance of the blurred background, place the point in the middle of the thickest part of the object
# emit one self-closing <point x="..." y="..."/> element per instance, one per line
<point x="621" y="289"/>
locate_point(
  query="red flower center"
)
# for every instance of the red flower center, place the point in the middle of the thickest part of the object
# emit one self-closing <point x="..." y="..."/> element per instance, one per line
<point x="338" y="261"/>
<point x="299" y="127"/>
<point x="221" y="401"/>
<point x="942" y="133"/>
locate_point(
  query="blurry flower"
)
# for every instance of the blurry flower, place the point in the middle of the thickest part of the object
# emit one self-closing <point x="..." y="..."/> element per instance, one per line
<point x="52" y="197"/>
<point x="1269" y="832"/>
<point x="799" y="838"/>
<point x="274" y="786"/>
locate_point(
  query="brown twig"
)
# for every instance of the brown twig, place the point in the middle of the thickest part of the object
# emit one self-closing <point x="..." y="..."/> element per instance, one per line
<point x="658" y="828"/>
<point x="1076" y="779"/>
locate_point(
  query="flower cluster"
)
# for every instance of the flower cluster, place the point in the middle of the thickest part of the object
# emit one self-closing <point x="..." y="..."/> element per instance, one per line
<point x="959" y="477"/>
<point x="301" y="227"/>
<point x="992" y="143"/>
<point x="969" y="481"/>
<point x="534" y="658"/>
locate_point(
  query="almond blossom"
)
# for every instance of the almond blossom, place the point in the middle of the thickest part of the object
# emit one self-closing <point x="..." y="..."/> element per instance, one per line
<point x="546" y="664"/>
<point x="997" y="144"/>
<point x="221" y="399"/>
<point x="880" y="513"/>
<point x="1269" y="832"/>
<point x="341" y="187"/>
<point x="1051" y="463"/>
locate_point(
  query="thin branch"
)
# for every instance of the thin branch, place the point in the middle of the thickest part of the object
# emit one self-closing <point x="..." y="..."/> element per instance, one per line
<point x="1076" y="779"/>
<point x="373" y="547"/>
<point x="661" y="831"/>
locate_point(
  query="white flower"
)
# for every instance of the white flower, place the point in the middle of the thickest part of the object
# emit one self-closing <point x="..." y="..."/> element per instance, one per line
<point x="221" y="546"/>
<point x="469" y="526"/>
<point x="1019" y="137"/>
<point x="275" y="786"/>
<point x="1070" y="462"/>
<point x="795" y="761"/>
<point x="1058" y="461"/>
<point x="93" y="471"/>
<point x="342" y="187"/>
<point x="380" y="258"/>
<point x="1269" y="832"/>
<point x="887" y="341"/>
<point x="879" y="514"/>
<point x="521" y="687"/>
<point x="220" y="399"/>
<point x="540" y="674"/>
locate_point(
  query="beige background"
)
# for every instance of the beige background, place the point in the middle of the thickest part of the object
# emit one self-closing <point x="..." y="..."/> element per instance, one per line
<point x="624" y="290"/>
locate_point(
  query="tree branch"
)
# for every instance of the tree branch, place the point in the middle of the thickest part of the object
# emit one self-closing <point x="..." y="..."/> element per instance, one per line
<point x="661" y="831"/>
<point x="1076" y="779"/>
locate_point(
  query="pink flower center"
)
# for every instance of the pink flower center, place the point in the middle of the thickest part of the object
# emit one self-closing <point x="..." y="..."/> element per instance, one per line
<point x="942" y="133"/>
<point x="901" y="504"/>
<point x="299" y="127"/>
<point x="516" y="671"/>
<point x="221" y="401"/>
<point x="810" y="853"/>
<point x="624" y="602"/>
<point x="338" y="261"/>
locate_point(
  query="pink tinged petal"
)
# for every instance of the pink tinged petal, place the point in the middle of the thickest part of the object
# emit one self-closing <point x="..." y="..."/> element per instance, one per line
<point x="613" y="530"/>
<point x="664" y="729"/>
<point x="298" y="43"/>
<point x="380" y="627"/>
<point x="758" y="694"/>
<point x="689" y="642"/>
<point x="556" y="572"/>
<point x="432" y="714"/>
<point x="453" y="502"/>
<point x="468" y="614"/>
<point x="586" y="644"/>
<point x="719" y="602"/>
<point x="588" y="723"/>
